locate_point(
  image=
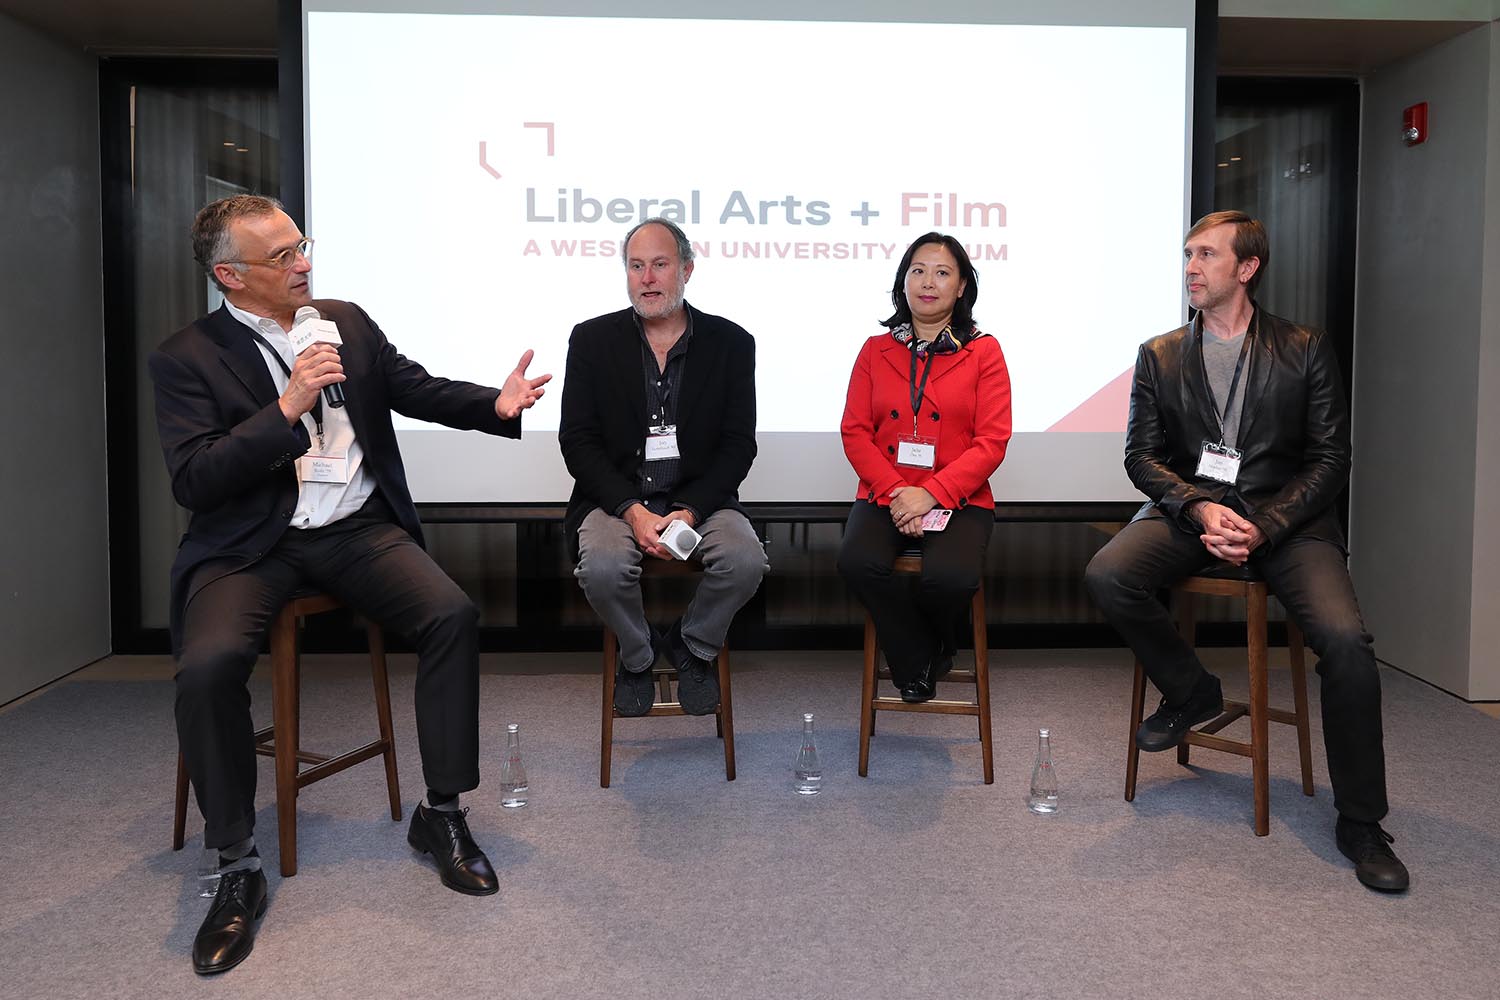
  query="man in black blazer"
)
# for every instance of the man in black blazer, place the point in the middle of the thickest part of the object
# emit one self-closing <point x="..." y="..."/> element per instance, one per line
<point x="1239" y="437"/>
<point x="658" y="425"/>
<point x="288" y="491"/>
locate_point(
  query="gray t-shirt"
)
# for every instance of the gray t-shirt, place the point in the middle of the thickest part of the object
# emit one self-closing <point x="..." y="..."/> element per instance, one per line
<point x="1219" y="358"/>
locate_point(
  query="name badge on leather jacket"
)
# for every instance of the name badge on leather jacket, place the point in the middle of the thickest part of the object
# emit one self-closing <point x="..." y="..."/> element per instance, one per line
<point x="1219" y="462"/>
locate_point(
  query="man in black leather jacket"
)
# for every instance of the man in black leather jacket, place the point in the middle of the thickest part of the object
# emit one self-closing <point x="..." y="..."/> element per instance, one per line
<point x="1239" y="437"/>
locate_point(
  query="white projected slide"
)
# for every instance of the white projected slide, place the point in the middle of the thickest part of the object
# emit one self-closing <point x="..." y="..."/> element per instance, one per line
<point x="470" y="177"/>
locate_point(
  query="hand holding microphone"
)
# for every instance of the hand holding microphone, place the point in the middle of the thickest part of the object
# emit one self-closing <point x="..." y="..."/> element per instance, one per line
<point x="318" y="367"/>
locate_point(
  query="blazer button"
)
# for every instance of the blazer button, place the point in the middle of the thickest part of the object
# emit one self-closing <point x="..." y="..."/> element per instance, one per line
<point x="963" y="501"/>
<point x="638" y="453"/>
<point x="870" y="496"/>
<point x="891" y="449"/>
<point x="286" y="514"/>
<point x="934" y="414"/>
<point x="895" y="414"/>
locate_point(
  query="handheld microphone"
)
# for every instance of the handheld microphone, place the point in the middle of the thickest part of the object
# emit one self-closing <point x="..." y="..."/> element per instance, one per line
<point x="309" y="327"/>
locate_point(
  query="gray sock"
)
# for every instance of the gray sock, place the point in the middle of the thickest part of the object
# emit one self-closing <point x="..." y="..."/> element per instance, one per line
<point x="241" y="856"/>
<point x="449" y="806"/>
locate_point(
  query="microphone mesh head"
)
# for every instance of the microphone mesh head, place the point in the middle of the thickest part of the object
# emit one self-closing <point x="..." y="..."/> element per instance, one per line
<point x="306" y="313"/>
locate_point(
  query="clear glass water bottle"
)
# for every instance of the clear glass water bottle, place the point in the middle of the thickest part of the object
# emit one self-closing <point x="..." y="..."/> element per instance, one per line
<point x="808" y="771"/>
<point x="1043" y="797"/>
<point x="513" y="786"/>
<point x="208" y="872"/>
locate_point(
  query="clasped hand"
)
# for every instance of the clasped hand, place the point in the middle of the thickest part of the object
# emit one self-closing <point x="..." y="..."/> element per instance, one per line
<point x="909" y="504"/>
<point x="647" y="528"/>
<point x="1227" y="535"/>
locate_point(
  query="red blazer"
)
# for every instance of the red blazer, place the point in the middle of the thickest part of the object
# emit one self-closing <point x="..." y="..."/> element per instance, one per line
<point x="966" y="407"/>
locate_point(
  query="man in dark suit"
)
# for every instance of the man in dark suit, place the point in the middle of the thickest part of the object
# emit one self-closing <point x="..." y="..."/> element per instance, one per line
<point x="1239" y="435"/>
<point x="658" y="425"/>
<point x="288" y="491"/>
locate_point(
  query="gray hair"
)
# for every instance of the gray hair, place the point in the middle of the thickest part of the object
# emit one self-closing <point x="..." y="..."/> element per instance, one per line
<point x="212" y="243"/>
<point x="684" y="247"/>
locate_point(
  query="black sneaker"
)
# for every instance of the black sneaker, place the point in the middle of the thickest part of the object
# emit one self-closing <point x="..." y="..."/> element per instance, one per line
<point x="697" y="678"/>
<point x="1369" y="847"/>
<point x="1166" y="726"/>
<point x="635" y="690"/>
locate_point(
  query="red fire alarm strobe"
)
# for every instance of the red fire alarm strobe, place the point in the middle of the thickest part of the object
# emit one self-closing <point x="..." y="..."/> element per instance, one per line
<point x="1414" y="124"/>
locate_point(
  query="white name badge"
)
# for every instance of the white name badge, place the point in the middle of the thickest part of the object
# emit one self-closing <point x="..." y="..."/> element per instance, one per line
<point x="661" y="442"/>
<point x="1219" y="462"/>
<point x="313" y="331"/>
<point x="323" y="468"/>
<point x="917" y="452"/>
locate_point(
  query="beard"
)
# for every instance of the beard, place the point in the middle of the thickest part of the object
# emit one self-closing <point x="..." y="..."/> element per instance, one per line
<point x="669" y="303"/>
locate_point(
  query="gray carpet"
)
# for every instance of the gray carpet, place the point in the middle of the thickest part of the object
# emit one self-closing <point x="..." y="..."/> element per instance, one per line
<point x="919" y="881"/>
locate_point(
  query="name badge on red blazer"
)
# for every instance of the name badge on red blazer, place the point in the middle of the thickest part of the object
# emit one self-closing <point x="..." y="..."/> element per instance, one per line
<point x="1219" y="462"/>
<point x="917" y="452"/>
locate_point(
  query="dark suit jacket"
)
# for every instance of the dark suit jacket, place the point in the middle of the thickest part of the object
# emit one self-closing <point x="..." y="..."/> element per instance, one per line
<point x="231" y="454"/>
<point x="603" y="429"/>
<point x="1294" y="430"/>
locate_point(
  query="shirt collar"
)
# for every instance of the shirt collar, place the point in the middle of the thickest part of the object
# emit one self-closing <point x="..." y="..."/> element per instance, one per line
<point x="260" y="324"/>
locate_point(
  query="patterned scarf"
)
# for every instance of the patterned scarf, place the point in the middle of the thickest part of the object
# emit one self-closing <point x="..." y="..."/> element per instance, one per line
<point x="947" y="342"/>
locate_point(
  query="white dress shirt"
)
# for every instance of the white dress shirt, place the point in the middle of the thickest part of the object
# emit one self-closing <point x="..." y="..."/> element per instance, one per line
<point x="317" y="503"/>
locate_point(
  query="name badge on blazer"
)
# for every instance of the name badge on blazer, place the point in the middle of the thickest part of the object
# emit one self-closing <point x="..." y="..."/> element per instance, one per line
<point x="917" y="452"/>
<point x="661" y="442"/>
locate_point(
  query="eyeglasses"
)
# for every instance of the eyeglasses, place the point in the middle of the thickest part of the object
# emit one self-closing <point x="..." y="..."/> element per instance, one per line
<point x="285" y="259"/>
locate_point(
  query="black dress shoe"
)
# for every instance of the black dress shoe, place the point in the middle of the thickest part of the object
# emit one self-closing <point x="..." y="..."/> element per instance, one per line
<point x="228" y="932"/>
<point x="461" y="864"/>
<point x="697" y="678"/>
<point x="1166" y="726"/>
<point x="1369" y="847"/>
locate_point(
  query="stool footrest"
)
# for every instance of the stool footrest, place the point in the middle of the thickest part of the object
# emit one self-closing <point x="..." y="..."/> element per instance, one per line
<point x="951" y="677"/>
<point x="1211" y="742"/>
<point x="333" y="765"/>
<point x="935" y="705"/>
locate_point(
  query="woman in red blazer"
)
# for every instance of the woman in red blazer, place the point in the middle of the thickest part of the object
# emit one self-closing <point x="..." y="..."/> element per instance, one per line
<point x="925" y="426"/>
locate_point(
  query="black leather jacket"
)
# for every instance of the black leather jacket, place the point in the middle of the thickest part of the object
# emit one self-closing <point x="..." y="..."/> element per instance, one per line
<point x="1294" y="430"/>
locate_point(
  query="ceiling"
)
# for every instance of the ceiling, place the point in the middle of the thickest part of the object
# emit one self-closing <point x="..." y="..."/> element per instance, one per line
<point x="228" y="27"/>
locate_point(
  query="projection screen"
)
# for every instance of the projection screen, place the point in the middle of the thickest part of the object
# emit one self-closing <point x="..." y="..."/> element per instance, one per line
<point x="471" y="169"/>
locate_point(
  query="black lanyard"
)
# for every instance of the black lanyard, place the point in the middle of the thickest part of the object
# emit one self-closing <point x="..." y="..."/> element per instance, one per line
<point x="1239" y="365"/>
<point x="918" y="389"/>
<point x="317" y="407"/>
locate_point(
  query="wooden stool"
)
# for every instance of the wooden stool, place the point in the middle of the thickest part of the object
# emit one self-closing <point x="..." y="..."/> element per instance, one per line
<point x="286" y="680"/>
<point x="723" y="715"/>
<point x="910" y="562"/>
<point x="1243" y="583"/>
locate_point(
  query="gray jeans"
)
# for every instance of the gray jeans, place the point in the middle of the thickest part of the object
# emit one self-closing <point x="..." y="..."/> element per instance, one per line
<point x="609" y="570"/>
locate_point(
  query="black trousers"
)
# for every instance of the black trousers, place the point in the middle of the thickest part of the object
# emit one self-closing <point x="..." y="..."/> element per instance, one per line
<point x="1311" y="579"/>
<point x="370" y="563"/>
<point x="915" y="619"/>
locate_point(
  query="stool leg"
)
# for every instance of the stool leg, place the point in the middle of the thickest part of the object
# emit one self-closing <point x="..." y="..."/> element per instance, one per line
<point x="982" y="684"/>
<point x="1295" y="653"/>
<point x="1259" y="736"/>
<point x="867" y="698"/>
<point x="607" y="717"/>
<point x="179" y="810"/>
<point x="285" y="711"/>
<point x="725" y="714"/>
<point x="1187" y="627"/>
<point x="1137" y="713"/>
<point x="382" y="681"/>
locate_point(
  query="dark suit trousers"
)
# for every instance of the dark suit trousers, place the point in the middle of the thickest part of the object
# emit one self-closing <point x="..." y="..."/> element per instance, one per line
<point x="1311" y="579"/>
<point x="375" y="567"/>
<point x="915" y="619"/>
